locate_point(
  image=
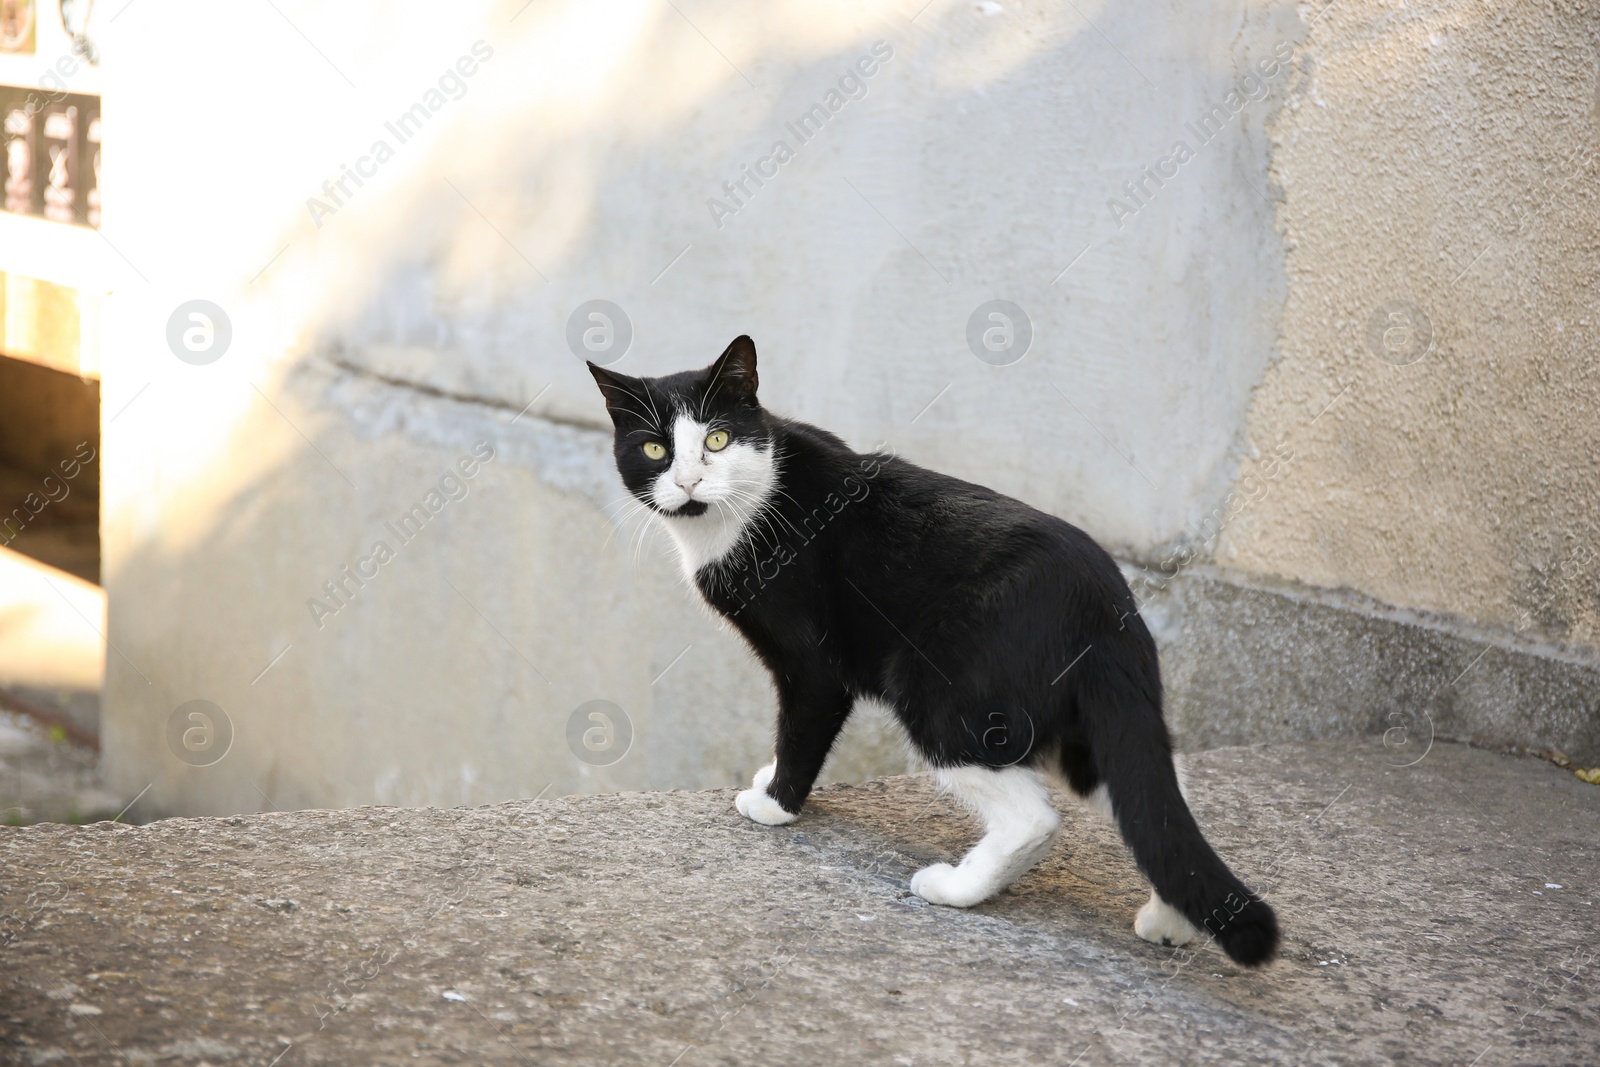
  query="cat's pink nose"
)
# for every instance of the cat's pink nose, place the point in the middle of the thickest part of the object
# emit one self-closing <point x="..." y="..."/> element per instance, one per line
<point x="687" y="485"/>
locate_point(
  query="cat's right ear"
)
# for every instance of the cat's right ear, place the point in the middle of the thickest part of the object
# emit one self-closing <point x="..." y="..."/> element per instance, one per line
<point x="618" y="389"/>
<point x="734" y="372"/>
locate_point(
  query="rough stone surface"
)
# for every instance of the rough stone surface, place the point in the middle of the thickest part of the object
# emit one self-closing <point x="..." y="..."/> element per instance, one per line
<point x="1437" y="913"/>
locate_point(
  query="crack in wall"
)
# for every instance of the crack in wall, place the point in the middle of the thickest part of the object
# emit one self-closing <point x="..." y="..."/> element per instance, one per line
<point x="463" y="398"/>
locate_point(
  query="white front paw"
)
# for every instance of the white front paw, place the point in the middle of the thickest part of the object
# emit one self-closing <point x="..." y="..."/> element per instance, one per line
<point x="763" y="777"/>
<point x="757" y="805"/>
<point x="947" y="885"/>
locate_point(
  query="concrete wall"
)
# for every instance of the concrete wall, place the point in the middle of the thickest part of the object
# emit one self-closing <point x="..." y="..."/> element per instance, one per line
<point x="1448" y="160"/>
<point x="1183" y="329"/>
<point x="1436" y="179"/>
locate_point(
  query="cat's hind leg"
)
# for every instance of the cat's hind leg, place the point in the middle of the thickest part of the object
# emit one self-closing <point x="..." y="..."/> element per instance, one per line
<point x="1076" y="772"/>
<point x="1162" y="924"/>
<point x="1020" y="825"/>
<point x="1157" y="921"/>
<point x="1075" y="769"/>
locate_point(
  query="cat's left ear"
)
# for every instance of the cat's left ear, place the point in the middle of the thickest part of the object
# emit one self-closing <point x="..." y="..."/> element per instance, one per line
<point x="734" y="373"/>
<point x="618" y="389"/>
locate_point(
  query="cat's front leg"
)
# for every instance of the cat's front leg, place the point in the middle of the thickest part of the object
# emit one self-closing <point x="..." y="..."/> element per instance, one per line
<point x="809" y="720"/>
<point x="757" y="805"/>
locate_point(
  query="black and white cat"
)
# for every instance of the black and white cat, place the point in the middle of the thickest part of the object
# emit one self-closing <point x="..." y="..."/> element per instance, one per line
<point x="1005" y="640"/>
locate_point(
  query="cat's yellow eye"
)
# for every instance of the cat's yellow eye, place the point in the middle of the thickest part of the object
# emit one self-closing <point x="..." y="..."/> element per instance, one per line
<point x="655" y="450"/>
<point x="717" y="440"/>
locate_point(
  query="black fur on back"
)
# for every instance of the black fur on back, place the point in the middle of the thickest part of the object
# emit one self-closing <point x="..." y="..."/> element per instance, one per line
<point x="998" y="634"/>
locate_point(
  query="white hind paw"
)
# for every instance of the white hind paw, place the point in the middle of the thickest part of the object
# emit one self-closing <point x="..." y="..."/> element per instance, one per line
<point x="1162" y="924"/>
<point x="953" y="887"/>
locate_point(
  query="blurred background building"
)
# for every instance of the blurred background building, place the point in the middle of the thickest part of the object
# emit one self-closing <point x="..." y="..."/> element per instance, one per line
<point x="310" y="497"/>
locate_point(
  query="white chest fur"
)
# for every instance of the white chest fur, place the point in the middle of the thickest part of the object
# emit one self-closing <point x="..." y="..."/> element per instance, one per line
<point x="705" y="538"/>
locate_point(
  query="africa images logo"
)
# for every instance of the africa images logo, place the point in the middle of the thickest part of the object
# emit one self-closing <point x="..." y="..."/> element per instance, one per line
<point x="405" y="126"/>
<point x="1252" y="85"/>
<point x="852" y="85"/>
<point x="342" y="589"/>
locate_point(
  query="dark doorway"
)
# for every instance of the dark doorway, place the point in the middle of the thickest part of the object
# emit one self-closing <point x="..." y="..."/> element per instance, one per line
<point x="50" y="467"/>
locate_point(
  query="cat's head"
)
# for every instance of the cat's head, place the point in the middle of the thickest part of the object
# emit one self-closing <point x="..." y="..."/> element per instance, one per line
<point x="695" y="440"/>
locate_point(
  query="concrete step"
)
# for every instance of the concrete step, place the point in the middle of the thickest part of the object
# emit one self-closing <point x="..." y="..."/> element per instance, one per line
<point x="1438" y="913"/>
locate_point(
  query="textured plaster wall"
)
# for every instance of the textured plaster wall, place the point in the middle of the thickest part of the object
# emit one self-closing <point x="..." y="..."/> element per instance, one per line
<point x="374" y="344"/>
<point x="979" y="164"/>
<point x="1446" y="157"/>
<point x="1200" y="380"/>
<point x="449" y="677"/>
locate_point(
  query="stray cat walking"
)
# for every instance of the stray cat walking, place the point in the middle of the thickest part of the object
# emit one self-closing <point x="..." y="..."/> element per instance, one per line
<point x="1004" y="640"/>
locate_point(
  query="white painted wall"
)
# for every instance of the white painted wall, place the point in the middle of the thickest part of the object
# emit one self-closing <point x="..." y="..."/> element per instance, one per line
<point x="375" y="344"/>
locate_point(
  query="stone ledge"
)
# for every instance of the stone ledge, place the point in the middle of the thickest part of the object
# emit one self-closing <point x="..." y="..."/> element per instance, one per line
<point x="660" y="928"/>
<point x="1247" y="663"/>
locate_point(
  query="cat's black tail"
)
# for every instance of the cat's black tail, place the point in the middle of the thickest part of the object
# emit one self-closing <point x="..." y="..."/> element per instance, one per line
<point x="1132" y="755"/>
